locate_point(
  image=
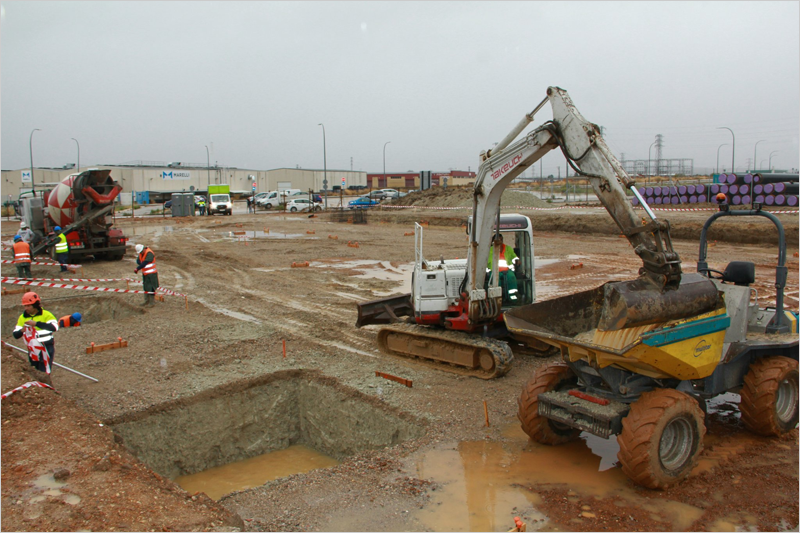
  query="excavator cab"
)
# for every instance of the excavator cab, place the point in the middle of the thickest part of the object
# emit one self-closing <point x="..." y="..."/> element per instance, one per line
<point x="517" y="283"/>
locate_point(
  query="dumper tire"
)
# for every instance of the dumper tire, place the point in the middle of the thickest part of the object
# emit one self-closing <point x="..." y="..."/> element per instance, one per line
<point x="661" y="438"/>
<point x="551" y="377"/>
<point x="769" y="396"/>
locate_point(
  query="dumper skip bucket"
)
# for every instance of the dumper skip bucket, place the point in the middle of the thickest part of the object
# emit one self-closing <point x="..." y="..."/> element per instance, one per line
<point x="684" y="343"/>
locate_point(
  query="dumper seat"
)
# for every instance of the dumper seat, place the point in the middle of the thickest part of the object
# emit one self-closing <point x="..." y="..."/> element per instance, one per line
<point x="741" y="273"/>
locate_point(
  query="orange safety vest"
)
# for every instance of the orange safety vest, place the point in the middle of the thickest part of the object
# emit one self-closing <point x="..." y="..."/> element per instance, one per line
<point x="150" y="268"/>
<point x="66" y="322"/>
<point x="22" y="252"/>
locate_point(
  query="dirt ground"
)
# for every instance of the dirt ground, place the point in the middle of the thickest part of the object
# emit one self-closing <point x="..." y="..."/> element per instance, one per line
<point x="64" y="469"/>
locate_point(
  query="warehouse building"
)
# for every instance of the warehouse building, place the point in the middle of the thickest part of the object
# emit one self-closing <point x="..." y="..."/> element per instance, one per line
<point x="153" y="182"/>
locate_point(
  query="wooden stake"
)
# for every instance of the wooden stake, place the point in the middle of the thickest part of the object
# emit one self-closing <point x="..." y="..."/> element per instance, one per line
<point x="486" y="412"/>
<point x="284" y="348"/>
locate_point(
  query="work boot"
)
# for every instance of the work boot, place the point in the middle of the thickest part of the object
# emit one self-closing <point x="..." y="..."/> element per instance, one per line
<point x="146" y="300"/>
<point x="151" y="299"/>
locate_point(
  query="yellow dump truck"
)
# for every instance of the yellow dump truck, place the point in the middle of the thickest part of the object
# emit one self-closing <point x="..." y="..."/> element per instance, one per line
<point x="648" y="382"/>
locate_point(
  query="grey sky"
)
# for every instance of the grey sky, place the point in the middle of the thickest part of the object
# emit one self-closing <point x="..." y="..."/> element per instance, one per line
<point x="158" y="81"/>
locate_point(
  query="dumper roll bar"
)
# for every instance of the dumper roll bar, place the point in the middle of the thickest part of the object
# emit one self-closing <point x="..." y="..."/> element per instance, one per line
<point x="779" y="324"/>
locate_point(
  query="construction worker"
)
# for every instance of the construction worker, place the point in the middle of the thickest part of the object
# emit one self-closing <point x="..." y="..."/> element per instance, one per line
<point x="28" y="235"/>
<point x="62" y="249"/>
<point x="22" y="257"/>
<point x="506" y="264"/>
<point x="41" y="347"/>
<point x="147" y="264"/>
<point x="70" y="321"/>
<point x="202" y="205"/>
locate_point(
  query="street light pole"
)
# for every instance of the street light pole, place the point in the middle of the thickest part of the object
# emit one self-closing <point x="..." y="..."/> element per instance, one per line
<point x="720" y="146"/>
<point x="755" y="161"/>
<point x="30" y="145"/>
<point x="770" y="159"/>
<point x="208" y="169"/>
<point x="324" y="166"/>
<point x="733" y="148"/>
<point x="79" y="153"/>
<point x="384" y="166"/>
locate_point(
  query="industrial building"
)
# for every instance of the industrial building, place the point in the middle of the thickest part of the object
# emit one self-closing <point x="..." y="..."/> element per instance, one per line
<point x="151" y="182"/>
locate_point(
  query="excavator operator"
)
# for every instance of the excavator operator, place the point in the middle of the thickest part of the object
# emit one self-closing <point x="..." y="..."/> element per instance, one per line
<point x="506" y="264"/>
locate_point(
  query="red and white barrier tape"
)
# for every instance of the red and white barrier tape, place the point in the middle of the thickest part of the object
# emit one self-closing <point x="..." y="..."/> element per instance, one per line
<point x="18" y="281"/>
<point x="65" y="286"/>
<point x="10" y="261"/>
<point x="64" y="279"/>
<point x="27" y="385"/>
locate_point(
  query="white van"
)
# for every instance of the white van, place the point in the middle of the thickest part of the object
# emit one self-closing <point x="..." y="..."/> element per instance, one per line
<point x="275" y="198"/>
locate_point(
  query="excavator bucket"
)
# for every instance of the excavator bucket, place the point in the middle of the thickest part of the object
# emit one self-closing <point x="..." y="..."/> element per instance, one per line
<point x="637" y="303"/>
<point x="384" y="311"/>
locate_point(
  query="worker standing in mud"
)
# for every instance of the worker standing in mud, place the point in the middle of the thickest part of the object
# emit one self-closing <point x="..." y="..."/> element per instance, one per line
<point x="22" y="257"/>
<point x="147" y="264"/>
<point x="62" y="249"/>
<point x="37" y="326"/>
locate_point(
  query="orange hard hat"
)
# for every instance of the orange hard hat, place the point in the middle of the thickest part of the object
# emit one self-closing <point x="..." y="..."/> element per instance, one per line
<point x="30" y="298"/>
<point x="721" y="197"/>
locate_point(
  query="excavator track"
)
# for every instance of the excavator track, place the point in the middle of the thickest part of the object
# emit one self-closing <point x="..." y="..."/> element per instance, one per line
<point x="450" y="351"/>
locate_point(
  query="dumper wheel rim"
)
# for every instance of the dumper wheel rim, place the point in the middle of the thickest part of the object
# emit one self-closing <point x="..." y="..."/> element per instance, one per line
<point x="551" y="377"/>
<point x="770" y="396"/>
<point x="661" y="438"/>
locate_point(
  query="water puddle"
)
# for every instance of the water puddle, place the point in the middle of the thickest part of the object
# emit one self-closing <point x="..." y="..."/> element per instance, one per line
<point x="147" y="229"/>
<point x="485" y="484"/>
<point x="219" y="481"/>
<point x="246" y="234"/>
<point x="539" y="262"/>
<point x="377" y="270"/>
<point x="47" y="482"/>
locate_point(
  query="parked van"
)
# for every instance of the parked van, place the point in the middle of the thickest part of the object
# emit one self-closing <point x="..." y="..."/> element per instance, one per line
<point x="275" y="198"/>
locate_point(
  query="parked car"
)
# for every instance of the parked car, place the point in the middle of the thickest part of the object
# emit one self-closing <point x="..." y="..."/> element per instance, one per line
<point x="377" y="194"/>
<point x="197" y="199"/>
<point x="318" y="198"/>
<point x="302" y="204"/>
<point x="168" y="204"/>
<point x="391" y="193"/>
<point x="362" y="202"/>
<point x="258" y="196"/>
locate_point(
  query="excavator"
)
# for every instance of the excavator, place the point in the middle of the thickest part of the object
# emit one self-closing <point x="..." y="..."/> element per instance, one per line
<point x="456" y="334"/>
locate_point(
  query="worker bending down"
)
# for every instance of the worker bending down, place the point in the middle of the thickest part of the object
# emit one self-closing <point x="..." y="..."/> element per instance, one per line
<point x="147" y="264"/>
<point x="73" y="321"/>
<point x="40" y="325"/>
<point x="505" y="266"/>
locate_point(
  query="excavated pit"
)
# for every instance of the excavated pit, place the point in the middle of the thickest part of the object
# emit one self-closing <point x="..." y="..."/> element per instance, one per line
<point x="242" y="420"/>
<point x="95" y="307"/>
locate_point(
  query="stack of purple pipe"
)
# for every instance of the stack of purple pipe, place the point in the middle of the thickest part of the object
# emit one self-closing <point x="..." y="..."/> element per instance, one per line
<point x="739" y="189"/>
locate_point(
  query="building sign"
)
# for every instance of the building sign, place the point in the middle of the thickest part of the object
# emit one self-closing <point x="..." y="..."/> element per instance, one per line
<point x="176" y="175"/>
<point x="26" y="176"/>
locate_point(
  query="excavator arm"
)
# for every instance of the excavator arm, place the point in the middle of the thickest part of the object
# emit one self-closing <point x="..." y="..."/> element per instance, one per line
<point x="628" y="303"/>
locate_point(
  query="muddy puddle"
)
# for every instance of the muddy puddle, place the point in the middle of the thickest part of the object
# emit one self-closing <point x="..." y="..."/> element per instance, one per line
<point x="240" y="475"/>
<point x="147" y="229"/>
<point x="399" y="275"/>
<point x="485" y="484"/>
<point x="259" y="234"/>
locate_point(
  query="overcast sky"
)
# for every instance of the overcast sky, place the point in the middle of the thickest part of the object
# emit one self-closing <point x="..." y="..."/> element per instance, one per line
<point x="158" y="81"/>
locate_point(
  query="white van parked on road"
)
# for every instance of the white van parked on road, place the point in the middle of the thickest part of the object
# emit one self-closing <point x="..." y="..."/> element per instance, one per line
<point x="275" y="198"/>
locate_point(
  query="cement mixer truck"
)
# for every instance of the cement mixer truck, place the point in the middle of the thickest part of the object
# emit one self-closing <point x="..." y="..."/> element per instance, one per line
<point x="83" y="206"/>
